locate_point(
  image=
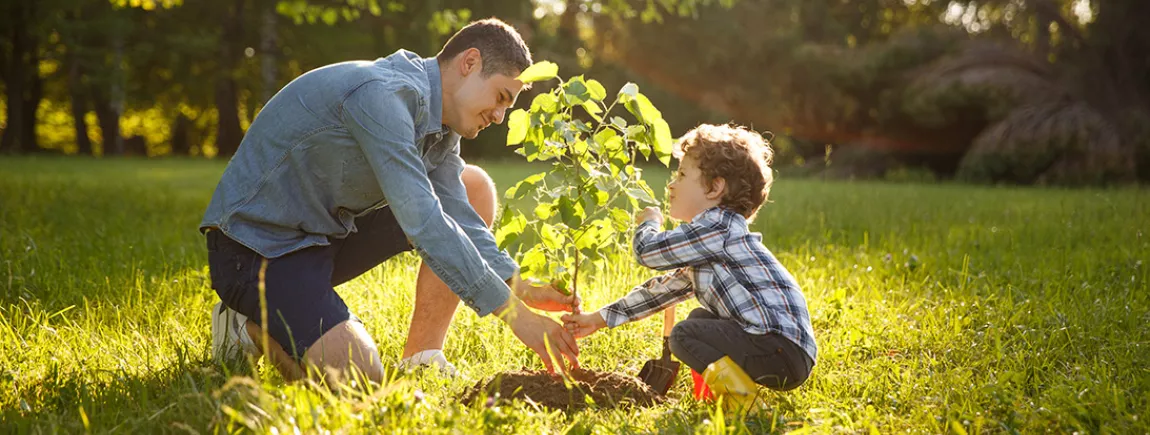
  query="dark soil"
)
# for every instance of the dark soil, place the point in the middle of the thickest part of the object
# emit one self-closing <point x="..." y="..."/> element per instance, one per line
<point x="606" y="389"/>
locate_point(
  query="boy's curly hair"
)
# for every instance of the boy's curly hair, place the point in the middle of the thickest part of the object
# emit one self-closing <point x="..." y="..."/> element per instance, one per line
<point x="740" y="156"/>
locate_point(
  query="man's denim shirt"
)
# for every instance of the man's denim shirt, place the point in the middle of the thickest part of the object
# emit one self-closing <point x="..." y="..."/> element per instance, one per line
<point x="349" y="138"/>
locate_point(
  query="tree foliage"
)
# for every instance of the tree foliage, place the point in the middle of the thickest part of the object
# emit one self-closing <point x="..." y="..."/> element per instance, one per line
<point x="171" y="76"/>
<point x="585" y="202"/>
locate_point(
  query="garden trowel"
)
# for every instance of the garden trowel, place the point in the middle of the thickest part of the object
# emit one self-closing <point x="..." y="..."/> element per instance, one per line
<point x="660" y="373"/>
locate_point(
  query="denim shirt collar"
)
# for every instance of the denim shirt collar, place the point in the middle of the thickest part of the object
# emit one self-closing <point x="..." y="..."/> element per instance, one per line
<point x="435" y="99"/>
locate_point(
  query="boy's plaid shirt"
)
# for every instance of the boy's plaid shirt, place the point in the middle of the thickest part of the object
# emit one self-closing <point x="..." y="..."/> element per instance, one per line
<point x="729" y="271"/>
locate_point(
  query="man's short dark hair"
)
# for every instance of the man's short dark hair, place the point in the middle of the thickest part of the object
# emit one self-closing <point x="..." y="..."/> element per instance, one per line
<point x="501" y="47"/>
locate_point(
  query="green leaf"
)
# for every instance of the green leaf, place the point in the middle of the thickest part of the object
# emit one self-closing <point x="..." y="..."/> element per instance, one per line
<point x="587" y="238"/>
<point x="648" y="193"/>
<point x="618" y="161"/>
<point x="581" y="126"/>
<point x="589" y="199"/>
<point x="606" y="233"/>
<point x="606" y="183"/>
<point x="544" y="70"/>
<point x="615" y="144"/>
<point x="546" y="103"/>
<point x="663" y="142"/>
<point x="644" y="148"/>
<point x="641" y="194"/>
<point x="510" y="230"/>
<point x="533" y="259"/>
<point x="531" y="150"/>
<point x="629" y="89"/>
<point x="550" y="236"/>
<point x="579" y="147"/>
<point x="517" y="124"/>
<point x="620" y="219"/>
<point x="562" y="283"/>
<point x="524" y="186"/>
<point x="571" y="212"/>
<point x="596" y="90"/>
<point x="642" y="108"/>
<point x="605" y="135"/>
<point x="575" y="92"/>
<point x="601" y="198"/>
<point x="619" y="122"/>
<point x="593" y="109"/>
<point x="544" y="210"/>
<point x="535" y="179"/>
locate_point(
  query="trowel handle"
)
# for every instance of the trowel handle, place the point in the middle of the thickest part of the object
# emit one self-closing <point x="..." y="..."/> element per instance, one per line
<point x="668" y="320"/>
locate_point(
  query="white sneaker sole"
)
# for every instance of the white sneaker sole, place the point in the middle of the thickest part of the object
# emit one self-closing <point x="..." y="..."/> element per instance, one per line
<point x="226" y="343"/>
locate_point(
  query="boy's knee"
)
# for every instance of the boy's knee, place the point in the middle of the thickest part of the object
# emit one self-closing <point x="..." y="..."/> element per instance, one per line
<point x="480" y="192"/>
<point x="679" y="337"/>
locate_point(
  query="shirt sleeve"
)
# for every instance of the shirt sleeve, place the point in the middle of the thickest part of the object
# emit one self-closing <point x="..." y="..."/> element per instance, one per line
<point x="448" y="185"/>
<point x="380" y="118"/>
<point x="689" y="244"/>
<point x="649" y="298"/>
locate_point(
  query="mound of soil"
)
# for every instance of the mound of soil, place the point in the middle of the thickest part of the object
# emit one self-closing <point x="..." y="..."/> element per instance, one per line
<point x="606" y="389"/>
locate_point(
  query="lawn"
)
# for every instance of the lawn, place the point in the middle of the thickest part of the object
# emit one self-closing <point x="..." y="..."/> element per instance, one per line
<point x="937" y="308"/>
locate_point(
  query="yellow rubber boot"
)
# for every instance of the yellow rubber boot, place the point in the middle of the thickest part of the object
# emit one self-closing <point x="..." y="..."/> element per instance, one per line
<point x="729" y="381"/>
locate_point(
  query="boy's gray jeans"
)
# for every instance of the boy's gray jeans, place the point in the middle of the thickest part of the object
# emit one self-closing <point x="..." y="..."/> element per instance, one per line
<point x="771" y="360"/>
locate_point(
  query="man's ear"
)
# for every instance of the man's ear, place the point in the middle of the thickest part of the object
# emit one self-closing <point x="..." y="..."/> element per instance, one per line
<point x="718" y="188"/>
<point x="470" y="61"/>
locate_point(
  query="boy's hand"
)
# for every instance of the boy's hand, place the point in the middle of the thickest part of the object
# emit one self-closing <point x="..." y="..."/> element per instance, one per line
<point x="582" y="325"/>
<point x="650" y="214"/>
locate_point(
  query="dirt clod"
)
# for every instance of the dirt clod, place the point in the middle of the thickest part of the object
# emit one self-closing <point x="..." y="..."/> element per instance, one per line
<point x="605" y="389"/>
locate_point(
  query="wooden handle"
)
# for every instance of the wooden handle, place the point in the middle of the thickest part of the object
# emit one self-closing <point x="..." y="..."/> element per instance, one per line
<point x="668" y="321"/>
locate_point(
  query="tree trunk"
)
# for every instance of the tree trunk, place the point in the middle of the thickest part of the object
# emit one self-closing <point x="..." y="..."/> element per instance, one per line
<point x="35" y="93"/>
<point x="181" y="145"/>
<point x="15" y="77"/>
<point x="109" y="121"/>
<point x="115" y="142"/>
<point x="228" y="132"/>
<point x="269" y="42"/>
<point x="79" y="103"/>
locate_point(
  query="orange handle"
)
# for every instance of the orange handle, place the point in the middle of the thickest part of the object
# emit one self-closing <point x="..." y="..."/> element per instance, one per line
<point x="668" y="320"/>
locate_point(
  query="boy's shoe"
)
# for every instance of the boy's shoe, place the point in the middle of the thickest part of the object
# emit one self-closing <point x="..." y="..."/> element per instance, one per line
<point x="701" y="391"/>
<point x="728" y="381"/>
<point x="430" y="357"/>
<point x="230" y="340"/>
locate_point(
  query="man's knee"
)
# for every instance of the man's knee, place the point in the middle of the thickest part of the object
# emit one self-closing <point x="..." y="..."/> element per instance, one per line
<point x="480" y="192"/>
<point x="345" y="348"/>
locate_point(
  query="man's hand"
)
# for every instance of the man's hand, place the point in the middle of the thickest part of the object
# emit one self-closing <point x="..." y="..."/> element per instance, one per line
<point x="546" y="297"/>
<point x="542" y="335"/>
<point x="650" y="214"/>
<point x="583" y="325"/>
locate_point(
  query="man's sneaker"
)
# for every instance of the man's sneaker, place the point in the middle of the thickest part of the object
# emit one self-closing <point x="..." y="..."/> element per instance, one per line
<point x="230" y="340"/>
<point x="432" y="357"/>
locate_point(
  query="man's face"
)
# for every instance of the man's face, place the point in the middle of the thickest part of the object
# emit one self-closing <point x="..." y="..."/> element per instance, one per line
<point x="482" y="101"/>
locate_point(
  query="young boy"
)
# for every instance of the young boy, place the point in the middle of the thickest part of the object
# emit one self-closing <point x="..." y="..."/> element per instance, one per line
<point x="753" y="326"/>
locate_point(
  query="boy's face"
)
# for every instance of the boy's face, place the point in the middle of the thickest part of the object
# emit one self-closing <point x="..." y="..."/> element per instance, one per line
<point x="688" y="194"/>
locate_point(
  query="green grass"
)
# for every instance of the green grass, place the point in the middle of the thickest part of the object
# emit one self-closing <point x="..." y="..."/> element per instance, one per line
<point x="937" y="308"/>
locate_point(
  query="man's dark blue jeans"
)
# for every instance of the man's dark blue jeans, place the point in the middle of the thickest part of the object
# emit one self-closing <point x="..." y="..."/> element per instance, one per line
<point x="302" y="303"/>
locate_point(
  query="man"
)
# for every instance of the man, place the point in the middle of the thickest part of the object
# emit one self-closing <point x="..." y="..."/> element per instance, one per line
<point x="349" y="165"/>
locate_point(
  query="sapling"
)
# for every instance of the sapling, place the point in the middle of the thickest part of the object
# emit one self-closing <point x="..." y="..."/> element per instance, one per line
<point x="584" y="204"/>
